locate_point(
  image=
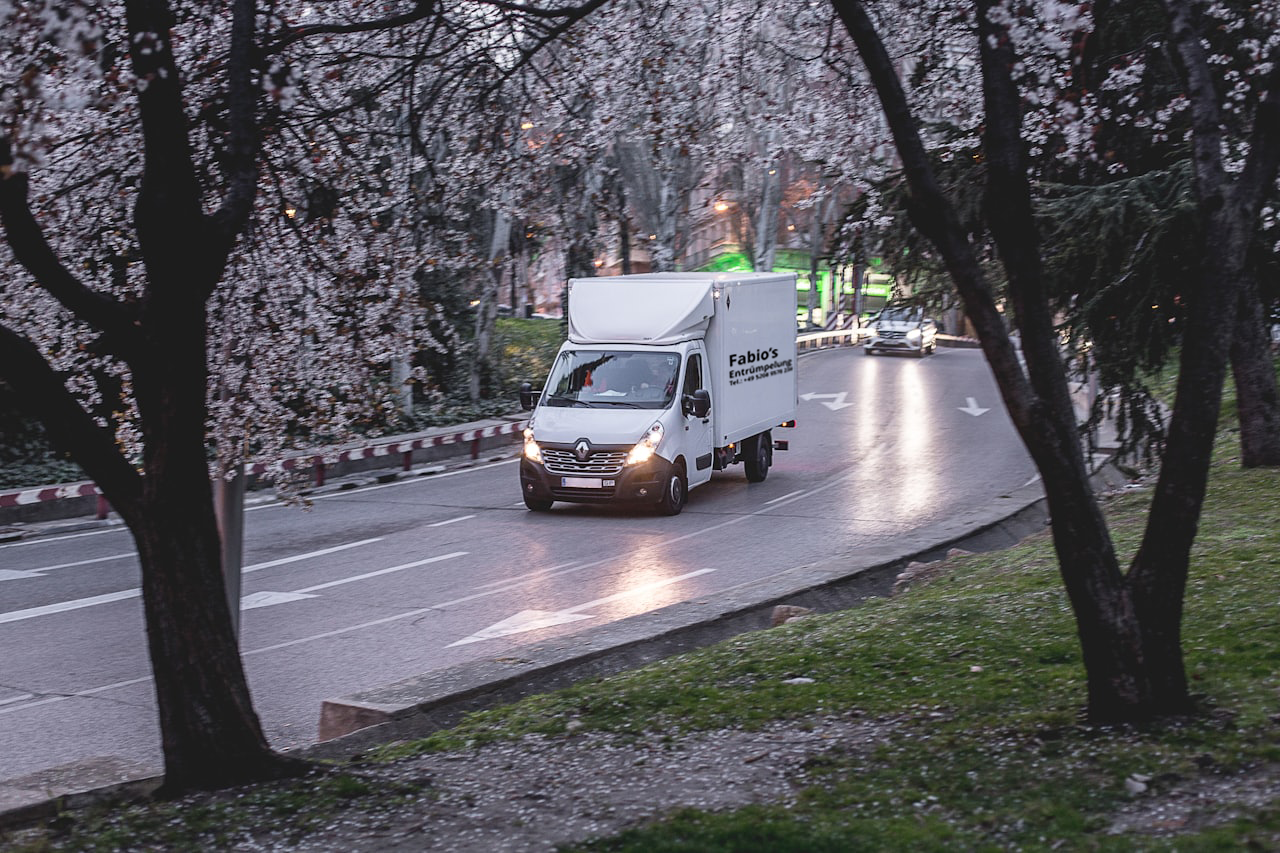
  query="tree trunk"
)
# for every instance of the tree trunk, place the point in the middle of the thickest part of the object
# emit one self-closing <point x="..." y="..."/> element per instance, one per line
<point x="211" y="735"/>
<point x="487" y="310"/>
<point x="764" y="242"/>
<point x="1229" y="207"/>
<point x="1038" y="402"/>
<point x="1255" y="376"/>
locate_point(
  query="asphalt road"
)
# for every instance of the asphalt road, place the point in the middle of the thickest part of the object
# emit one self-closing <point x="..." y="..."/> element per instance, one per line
<point x="377" y="584"/>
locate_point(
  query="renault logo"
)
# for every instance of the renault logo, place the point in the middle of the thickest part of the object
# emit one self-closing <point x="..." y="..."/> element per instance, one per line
<point x="582" y="449"/>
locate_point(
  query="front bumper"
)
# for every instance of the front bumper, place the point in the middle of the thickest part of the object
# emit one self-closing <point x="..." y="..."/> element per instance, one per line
<point x="641" y="484"/>
<point x="903" y="344"/>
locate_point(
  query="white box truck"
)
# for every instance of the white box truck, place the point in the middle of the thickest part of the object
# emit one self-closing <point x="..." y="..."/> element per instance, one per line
<point x="665" y="378"/>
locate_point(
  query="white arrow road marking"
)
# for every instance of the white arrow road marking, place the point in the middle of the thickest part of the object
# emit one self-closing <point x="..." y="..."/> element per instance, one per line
<point x="528" y="620"/>
<point x="837" y="400"/>
<point x="266" y="599"/>
<point x="525" y="620"/>
<point x="973" y="408"/>
<point x="12" y="575"/>
<point x="124" y="594"/>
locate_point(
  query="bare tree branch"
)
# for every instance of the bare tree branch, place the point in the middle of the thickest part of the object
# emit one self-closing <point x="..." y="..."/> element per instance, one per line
<point x="68" y="425"/>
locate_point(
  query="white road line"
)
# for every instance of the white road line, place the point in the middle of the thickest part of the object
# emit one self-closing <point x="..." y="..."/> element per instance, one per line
<point x="367" y="575"/>
<point x="82" y="562"/>
<point x="79" y="694"/>
<point x="64" y="606"/>
<point x="321" y="553"/>
<point x="125" y="594"/>
<point x="47" y="540"/>
<point x="784" y="497"/>
<point x="451" y="521"/>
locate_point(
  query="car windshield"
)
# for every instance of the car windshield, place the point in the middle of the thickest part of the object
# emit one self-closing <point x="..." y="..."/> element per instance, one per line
<point x="604" y="378"/>
<point x="900" y="315"/>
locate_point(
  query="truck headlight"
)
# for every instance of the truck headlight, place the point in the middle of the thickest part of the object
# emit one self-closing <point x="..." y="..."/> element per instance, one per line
<point x="646" y="446"/>
<point x="532" y="451"/>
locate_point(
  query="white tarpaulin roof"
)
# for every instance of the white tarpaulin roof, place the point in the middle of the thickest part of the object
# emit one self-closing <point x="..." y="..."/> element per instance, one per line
<point x="656" y="309"/>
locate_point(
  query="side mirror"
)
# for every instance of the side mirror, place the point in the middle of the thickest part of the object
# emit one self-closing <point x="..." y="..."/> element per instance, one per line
<point x="526" y="395"/>
<point x="698" y="403"/>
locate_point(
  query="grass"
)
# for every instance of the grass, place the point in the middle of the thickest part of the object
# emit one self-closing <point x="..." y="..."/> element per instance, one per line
<point x="978" y="673"/>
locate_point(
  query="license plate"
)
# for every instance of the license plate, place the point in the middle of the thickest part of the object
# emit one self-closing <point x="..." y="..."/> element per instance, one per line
<point x="585" y="483"/>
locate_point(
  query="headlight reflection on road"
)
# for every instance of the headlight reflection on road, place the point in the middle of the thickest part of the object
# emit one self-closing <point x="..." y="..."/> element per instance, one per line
<point x="919" y="459"/>
<point x="640" y="585"/>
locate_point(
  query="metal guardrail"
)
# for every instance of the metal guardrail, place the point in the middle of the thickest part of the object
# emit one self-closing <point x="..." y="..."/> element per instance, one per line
<point x="318" y="464"/>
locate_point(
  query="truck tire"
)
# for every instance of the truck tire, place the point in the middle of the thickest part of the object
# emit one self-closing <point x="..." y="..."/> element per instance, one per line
<point x="757" y="457"/>
<point x="537" y="504"/>
<point x="674" y="493"/>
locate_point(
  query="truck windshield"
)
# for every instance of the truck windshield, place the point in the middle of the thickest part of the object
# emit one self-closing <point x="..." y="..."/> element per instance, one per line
<point x="602" y="378"/>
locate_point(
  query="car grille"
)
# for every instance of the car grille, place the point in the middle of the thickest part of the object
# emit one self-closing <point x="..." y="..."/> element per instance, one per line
<point x="889" y="335"/>
<point x="601" y="463"/>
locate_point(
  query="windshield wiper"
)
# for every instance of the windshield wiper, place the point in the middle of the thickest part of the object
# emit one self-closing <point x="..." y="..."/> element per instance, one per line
<point x="566" y="402"/>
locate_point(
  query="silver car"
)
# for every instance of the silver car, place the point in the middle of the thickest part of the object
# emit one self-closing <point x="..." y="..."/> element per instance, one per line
<point x="902" y="329"/>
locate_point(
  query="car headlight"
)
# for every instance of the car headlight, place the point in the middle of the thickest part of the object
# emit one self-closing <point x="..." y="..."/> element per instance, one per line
<point x="646" y="446"/>
<point x="913" y="335"/>
<point x="532" y="451"/>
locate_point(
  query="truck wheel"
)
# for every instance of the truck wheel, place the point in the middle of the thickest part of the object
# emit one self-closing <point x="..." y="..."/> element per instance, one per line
<point x="675" y="493"/>
<point x="537" y="504"/>
<point x="758" y="457"/>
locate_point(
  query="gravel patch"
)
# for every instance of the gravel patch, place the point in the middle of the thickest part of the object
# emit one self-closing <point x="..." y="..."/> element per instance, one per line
<point x="538" y="792"/>
<point x="1180" y="807"/>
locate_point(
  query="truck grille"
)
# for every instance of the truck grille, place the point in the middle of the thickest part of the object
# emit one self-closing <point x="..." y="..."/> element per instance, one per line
<point x="602" y="463"/>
